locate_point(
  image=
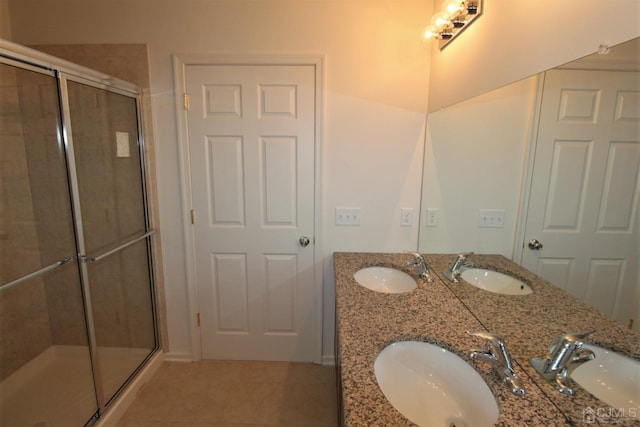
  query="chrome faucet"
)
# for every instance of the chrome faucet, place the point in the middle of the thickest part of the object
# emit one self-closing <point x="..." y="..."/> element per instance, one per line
<point x="497" y="355"/>
<point x="565" y="355"/>
<point x="455" y="268"/>
<point x="419" y="263"/>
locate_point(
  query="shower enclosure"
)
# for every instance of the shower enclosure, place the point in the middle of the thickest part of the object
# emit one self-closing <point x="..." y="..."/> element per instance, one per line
<point x="77" y="315"/>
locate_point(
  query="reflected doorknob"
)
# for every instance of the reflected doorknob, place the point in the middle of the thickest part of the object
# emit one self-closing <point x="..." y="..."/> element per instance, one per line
<point x="535" y="245"/>
<point x="304" y="241"/>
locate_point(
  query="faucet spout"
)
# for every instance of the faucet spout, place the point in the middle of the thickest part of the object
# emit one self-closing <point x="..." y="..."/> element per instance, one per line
<point x="497" y="355"/>
<point x="565" y="356"/>
<point x="455" y="268"/>
<point x="419" y="263"/>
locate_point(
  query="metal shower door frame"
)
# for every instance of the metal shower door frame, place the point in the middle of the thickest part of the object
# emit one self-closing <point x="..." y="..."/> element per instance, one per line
<point x="84" y="258"/>
<point x="64" y="72"/>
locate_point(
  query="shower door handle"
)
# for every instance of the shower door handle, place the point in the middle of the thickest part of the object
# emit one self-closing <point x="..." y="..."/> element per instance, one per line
<point x="37" y="273"/>
<point x="89" y="259"/>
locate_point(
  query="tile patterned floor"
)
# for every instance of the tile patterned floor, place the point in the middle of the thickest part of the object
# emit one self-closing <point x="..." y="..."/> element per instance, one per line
<point x="225" y="393"/>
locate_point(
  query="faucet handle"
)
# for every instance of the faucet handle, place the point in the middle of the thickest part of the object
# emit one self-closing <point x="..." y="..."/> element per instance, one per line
<point x="460" y="259"/>
<point x="573" y="339"/>
<point x="496" y="341"/>
<point x="501" y="360"/>
<point x="416" y="255"/>
<point x="419" y="262"/>
<point x="490" y="337"/>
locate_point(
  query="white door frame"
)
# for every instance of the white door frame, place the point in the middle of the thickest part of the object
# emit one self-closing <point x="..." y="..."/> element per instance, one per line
<point x="180" y="62"/>
<point x="527" y="175"/>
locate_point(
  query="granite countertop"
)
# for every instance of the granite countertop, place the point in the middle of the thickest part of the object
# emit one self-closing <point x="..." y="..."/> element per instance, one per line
<point x="530" y="323"/>
<point x="368" y="321"/>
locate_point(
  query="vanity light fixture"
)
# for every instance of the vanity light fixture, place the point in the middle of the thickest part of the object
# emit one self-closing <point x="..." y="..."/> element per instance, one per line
<point x="455" y="16"/>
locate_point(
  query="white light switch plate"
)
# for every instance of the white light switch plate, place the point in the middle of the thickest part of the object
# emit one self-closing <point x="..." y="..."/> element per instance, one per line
<point x="347" y="216"/>
<point x="491" y="218"/>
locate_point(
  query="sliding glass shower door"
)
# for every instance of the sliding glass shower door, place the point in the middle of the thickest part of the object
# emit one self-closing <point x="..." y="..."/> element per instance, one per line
<point x="113" y="228"/>
<point x="45" y="365"/>
<point x="77" y="317"/>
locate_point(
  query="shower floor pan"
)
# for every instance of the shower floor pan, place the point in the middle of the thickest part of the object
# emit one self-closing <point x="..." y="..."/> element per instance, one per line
<point x="55" y="389"/>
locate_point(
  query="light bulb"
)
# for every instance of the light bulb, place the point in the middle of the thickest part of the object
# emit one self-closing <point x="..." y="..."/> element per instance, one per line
<point x="440" y="21"/>
<point x="430" y="33"/>
<point x="453" y="8"/>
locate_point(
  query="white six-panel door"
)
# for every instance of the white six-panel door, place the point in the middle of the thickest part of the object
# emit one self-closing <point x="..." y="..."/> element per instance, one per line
<point x="583" y="205"/>
<point x="251" y="147"/>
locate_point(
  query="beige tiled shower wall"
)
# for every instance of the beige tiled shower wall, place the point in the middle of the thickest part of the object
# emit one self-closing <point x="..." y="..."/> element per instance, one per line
<point x="128" y="62"/>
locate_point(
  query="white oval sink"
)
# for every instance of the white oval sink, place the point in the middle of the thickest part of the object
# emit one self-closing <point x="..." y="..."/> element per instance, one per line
<point x="612" y="378"/>
<point x="385" y="279"/>
<point x="434" y="387"/>
<point x="493" y="281"/>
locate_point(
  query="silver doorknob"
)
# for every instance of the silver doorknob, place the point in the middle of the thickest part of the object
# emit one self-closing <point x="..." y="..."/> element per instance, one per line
<point x="304" y="241"/>
<point x="535" y="245"/>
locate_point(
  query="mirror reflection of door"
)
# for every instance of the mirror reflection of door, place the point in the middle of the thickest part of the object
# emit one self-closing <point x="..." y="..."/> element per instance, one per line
<point x="583" y="206"/>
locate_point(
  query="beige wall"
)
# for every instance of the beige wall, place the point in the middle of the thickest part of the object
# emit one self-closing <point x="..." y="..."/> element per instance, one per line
<point x="474" y="158"/>
<point x="512" y="40"/>
<point x="375" y="100"/>
<point x="376" y="75"/>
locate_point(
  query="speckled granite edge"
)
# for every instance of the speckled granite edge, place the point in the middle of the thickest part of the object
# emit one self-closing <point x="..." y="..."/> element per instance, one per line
<point x="368" y="321"/>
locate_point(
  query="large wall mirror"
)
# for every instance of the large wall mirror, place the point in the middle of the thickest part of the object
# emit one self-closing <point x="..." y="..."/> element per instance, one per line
<point x="556" y="158"/>
<point x="553" y="158"/>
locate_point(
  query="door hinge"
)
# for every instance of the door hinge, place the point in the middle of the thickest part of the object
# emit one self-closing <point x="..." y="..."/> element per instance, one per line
<point x="198" y="318"/>
<point x="187" y="105"/>
<point x="193" y="216"/>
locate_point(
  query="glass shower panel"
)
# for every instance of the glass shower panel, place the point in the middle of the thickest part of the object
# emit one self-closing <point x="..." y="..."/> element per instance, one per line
<point x="105" y="138"/>
<point x="122" y="313"/>
<point x="36" y="228"/>
<point x="45" y="366"/>
<point x="104" y="127"/>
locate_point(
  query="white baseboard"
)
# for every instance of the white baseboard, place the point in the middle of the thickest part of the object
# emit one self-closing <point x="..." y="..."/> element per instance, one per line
<point x="328" y="359"/>
<point x="178" y="357"/>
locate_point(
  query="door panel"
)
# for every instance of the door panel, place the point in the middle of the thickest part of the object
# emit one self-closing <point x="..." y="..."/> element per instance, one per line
<point x="230" y="301"/>
<point x="252" y="147"/>
<point x="585" y="188"/>
<point x="226" y="180"/>
<point x="620" y="194"/>
<point x="605" y="271"/>
<point x="567" y="185"/>
<point x="278" y="170"/>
